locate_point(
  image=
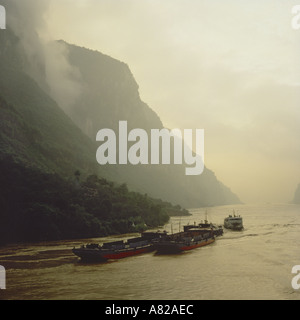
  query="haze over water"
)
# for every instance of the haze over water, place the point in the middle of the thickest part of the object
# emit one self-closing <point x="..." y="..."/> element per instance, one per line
<point x="252" y="264"/>
<point x="228" y="67"/>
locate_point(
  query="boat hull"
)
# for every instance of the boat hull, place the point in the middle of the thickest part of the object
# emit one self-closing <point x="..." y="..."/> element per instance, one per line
<point x="128" y="253"/>
<point x="236" y="226"/>
<point x="171" y="247"/>
<point x="217" y="231"/>
<point x="234" y="222"/>
<point x="104" y="255"/>
<point x="89" y="255"/>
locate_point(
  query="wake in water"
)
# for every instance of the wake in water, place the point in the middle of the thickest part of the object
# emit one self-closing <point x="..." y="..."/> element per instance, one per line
<point x="255" y="263"/>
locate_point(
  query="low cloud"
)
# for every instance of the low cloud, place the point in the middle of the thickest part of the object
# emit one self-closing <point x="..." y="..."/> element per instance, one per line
<point x="46" y="59"/>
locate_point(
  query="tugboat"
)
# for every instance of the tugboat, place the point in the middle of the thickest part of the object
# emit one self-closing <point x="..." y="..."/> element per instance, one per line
<point x="117" y="249"/>
<point x="234" y="222"/>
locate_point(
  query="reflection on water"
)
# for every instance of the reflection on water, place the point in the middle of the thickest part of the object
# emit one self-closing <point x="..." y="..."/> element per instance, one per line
<point x="255" y="263"/>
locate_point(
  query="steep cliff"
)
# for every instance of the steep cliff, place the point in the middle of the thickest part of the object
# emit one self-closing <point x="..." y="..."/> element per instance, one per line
<point x="49" y="184"/>
<point x="38" y="133"/>
<point x="110" y="94"/>
<point x="34" y="129"/>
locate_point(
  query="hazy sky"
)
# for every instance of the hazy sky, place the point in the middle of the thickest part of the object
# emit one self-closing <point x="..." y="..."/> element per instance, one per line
<point x="230" y="67"/>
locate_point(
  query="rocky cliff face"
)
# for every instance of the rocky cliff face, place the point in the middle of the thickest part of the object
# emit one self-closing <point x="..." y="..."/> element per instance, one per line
<point x="39" y="132"/>
<point x="35" y="132"/>
<point x="110" y="94"/>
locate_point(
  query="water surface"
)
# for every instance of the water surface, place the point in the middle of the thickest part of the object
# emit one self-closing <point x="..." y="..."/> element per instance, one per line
<point x="255" y="263"/>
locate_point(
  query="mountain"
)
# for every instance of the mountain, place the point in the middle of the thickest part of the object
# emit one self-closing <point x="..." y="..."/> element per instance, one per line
<point x="34" y="129"/>
<point x="110" y="94"/>
<point x="52" y="186"/>
<point x="297" y="195"/>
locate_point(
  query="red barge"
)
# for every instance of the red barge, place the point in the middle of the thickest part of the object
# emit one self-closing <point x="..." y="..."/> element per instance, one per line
<point x="191" y="238"/>
<point x="118" y="249"/>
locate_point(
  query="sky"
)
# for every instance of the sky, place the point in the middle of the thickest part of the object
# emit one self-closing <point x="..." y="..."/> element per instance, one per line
<point x="230" y="67"/>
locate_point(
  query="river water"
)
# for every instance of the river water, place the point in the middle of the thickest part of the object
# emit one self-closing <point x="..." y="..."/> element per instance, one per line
<point x="254" y="264"/>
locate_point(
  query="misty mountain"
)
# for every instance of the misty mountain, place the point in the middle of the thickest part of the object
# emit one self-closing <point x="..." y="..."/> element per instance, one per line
<point x="297" y="195"/>
<point x="34" y="130"/>
<point x="51" y="186"/>
<point x="37" y="133"/>
<point x="110" y="94"/>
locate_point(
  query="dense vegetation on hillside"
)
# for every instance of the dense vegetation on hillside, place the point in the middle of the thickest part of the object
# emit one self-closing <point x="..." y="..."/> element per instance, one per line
<point x="109" y="94"/>
<point x="38" y="206"/>
<point x="51" y="185"/>
<point x="40" y="149"/>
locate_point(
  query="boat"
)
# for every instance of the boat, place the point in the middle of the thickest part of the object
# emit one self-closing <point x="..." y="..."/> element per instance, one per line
<point x="115" y="250"/>
<point x="234" y="222"/>
<point x="216" y="229"/>
<point x="189" y="239"/>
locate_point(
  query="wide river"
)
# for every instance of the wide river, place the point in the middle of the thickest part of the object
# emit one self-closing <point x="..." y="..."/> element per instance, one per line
<point x="255" y="263"/>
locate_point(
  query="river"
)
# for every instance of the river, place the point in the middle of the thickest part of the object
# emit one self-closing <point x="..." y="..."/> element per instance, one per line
<point x="254" y="264"/>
